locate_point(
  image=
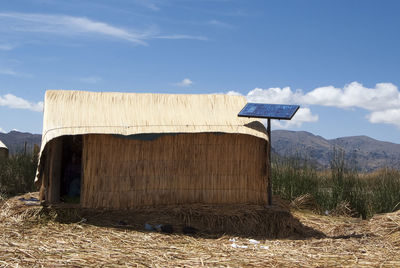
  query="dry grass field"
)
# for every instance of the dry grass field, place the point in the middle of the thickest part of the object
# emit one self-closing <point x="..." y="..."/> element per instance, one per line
<point x="30" y="237"/>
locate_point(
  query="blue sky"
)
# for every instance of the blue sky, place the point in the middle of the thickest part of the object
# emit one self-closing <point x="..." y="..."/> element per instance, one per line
<point x="340" y="60"/>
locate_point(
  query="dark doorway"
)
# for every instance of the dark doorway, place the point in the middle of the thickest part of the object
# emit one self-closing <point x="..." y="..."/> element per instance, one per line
<point x="71" y="169"/>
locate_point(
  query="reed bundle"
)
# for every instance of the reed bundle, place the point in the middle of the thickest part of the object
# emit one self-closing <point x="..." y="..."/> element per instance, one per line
<point x="343" y="209"/>
<point x="306" y="201"/>
<point x="387" y="226"/>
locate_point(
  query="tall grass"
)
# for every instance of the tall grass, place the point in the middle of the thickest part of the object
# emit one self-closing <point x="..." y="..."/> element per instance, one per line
<point x="17" y="173"/>
<point x="367" y="194"/>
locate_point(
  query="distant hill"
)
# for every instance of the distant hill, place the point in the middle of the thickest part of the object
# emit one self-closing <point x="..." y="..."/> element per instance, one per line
<point x="365" y="153"/>
<point x="15" y="141"/>
<point x="362" y="151"/>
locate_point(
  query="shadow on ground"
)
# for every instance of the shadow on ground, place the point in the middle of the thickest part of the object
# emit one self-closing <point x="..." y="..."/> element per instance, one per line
<point x="209" y="221"/>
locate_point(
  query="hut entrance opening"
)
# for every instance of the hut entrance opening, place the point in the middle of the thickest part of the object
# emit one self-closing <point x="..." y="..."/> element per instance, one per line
<point x="70" y="185"/>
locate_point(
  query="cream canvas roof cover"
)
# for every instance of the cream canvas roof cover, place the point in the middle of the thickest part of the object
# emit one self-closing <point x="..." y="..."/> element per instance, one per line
<point x="80" y="112"/>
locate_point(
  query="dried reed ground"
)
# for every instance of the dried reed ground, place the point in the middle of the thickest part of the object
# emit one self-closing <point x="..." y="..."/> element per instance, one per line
<point x="28" y="241"/>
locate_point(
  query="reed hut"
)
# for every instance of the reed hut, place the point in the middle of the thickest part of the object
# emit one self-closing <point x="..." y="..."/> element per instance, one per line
<point x="3" y="151"/>
<point x="126" y="150"/>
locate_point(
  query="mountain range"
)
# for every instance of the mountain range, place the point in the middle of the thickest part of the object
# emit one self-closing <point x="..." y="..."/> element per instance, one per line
<point x="15" y="141"/>
<point x="362" y="152"/>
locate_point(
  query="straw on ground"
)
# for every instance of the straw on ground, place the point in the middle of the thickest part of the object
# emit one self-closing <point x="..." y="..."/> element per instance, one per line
<point x="27" y="240"/>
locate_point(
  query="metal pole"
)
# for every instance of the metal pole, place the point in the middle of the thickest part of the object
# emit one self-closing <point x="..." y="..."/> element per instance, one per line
<point x="269" y="182"/>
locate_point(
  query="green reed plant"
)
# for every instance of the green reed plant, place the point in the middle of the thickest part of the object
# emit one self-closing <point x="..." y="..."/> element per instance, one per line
<point x="367" y="194"/>
<point x="385" y="190"/>
<point x="293" y="177"/>
<point x="17" y="173"/>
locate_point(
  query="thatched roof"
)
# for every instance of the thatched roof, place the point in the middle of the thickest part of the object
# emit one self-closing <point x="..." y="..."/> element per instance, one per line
<point x="81" y="112"/>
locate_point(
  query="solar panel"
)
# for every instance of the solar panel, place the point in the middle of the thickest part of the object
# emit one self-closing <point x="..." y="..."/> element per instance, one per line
<point x="272" y="111"/>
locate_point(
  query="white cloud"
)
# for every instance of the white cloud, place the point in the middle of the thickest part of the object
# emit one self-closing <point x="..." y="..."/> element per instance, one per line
<point x="185" y="83"/>
<point x="91" y="79"/>
<point x="282" y="96"/>
<point x="382" y="97"/>
<point x="233" y="93"/>
<point x="383" y="101"/>
<point x="303" y="115"/>
<point x="65" y="25"/>
<point x="273" y="95"/>
<point x="2" y="130"/>
<point x="390" y="116"/>
<point x="12" y="101"/>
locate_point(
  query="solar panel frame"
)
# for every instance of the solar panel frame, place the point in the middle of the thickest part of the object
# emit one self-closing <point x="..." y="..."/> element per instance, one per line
<point x="271" y="111"/>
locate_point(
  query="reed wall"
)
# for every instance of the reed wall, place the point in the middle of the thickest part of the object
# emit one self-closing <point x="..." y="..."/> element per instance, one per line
<point x="210" y="168"/>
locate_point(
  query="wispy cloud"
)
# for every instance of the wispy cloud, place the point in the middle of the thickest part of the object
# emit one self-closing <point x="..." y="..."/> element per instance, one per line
<point x="7" y="71"/>
<point x="6" y="47"/>
<point x="383" y="101"/>
<point x="91" y="79"/>
<point x="67" y="25"/>
<point x="12" y="101"/>
<point x="182" y="36"/>
<point x="12" y="72"/>
<point x="54" y="24"/>
<point x="184" y="83"/>
<point x="220" y="24"/>
<point x="148" y="4"/>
